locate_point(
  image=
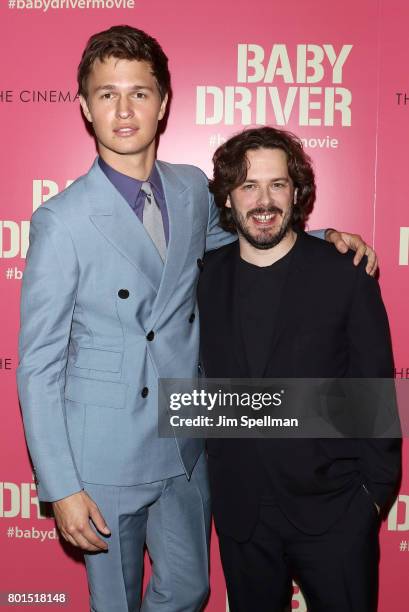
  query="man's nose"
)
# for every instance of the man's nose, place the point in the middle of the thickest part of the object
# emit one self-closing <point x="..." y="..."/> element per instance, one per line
<point x="265" y="197"/>
<point x="124" y="107"/>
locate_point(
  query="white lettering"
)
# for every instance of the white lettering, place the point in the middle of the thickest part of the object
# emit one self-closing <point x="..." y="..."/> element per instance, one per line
<point x="404" y="246"/>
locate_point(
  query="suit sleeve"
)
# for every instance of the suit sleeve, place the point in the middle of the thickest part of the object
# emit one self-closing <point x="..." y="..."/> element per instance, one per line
<point x="47" y="304"/>
<point x="319" y="233"/>
<point x="371" y="357"/>
<point x="216" y="237"/>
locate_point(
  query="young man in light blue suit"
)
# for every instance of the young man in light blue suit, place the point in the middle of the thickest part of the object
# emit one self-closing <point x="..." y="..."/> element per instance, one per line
<point x="108" y="306"/>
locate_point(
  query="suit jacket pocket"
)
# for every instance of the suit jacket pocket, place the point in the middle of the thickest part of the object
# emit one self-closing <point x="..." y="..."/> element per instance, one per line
<point x="98" y="359"/>
<point x="96" y="392"/>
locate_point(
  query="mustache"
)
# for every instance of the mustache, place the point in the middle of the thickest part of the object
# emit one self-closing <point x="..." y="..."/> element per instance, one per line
<point x="264" y="210"/>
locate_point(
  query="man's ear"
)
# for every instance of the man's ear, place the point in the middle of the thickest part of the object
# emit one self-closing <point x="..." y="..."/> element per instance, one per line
<point x="163" y="105"/>
<point x="85" y="109"/>
<point x="295" y="196"/>
<point x="228" y="203"/>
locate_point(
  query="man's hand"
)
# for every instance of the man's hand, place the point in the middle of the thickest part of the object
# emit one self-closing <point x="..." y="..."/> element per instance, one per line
<point x="343" y="242"/>
<point x="73" y="514"/>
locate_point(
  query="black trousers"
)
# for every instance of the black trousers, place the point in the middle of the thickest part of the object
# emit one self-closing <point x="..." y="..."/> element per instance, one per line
<point x="337" y="571"/>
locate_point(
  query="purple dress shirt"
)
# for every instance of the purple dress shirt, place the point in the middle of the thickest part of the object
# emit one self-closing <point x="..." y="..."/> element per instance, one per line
<point x="130" y="190"/>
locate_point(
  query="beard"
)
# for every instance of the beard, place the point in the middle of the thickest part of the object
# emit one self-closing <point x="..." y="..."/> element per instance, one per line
<point x="263" y="238"/>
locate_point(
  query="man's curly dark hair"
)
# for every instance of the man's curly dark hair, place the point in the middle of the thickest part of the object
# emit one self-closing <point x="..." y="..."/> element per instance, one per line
<point x="230" y="166"/>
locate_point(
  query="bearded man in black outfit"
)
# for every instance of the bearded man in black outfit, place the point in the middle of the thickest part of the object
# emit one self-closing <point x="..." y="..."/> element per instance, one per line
<point x="280" y="303"/>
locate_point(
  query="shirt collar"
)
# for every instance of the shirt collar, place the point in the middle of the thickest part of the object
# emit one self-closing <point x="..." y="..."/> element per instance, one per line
<point x="128" y="186"/>
<point x="155" y="181"/>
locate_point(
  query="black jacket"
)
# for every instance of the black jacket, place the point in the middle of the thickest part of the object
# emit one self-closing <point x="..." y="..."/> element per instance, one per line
<point x="331" y="322"/>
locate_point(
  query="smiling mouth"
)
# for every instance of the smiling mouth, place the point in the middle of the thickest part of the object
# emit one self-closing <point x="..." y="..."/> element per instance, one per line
<point x="264" y="218"/>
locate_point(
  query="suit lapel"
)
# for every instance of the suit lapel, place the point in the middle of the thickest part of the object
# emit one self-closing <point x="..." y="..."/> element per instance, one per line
<point x="180" y="208"/>
<point x="113" y="217"/>
<point x="223" y="295"/>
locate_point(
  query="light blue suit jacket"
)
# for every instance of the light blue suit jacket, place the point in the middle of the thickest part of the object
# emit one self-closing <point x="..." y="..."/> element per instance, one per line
<point x="84" y="353"/>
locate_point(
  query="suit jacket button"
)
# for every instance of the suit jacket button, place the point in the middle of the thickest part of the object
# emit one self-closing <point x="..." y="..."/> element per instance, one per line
<point x="192" y="317"/>
<point x="150" y="336"/>
<point x="200" y="264"/>
<point x="123" y="294"/>
<point x="145" y="392"/>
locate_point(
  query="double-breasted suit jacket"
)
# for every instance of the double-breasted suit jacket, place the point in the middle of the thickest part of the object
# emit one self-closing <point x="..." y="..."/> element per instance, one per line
<point x="102" y="317"/>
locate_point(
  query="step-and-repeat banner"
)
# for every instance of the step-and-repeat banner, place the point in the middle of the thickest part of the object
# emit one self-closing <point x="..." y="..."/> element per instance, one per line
<point x="335" y="73"/>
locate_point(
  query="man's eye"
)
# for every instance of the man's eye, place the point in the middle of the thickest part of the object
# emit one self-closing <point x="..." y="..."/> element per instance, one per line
<point x="248" y="187"/>
<point x="278" y="185"/>
<point x="106" y="96"/>
<point x="140" y="95"/>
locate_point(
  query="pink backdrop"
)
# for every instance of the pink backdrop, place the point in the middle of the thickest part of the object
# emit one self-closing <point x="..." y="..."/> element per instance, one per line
<point x="232" y="65"/>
